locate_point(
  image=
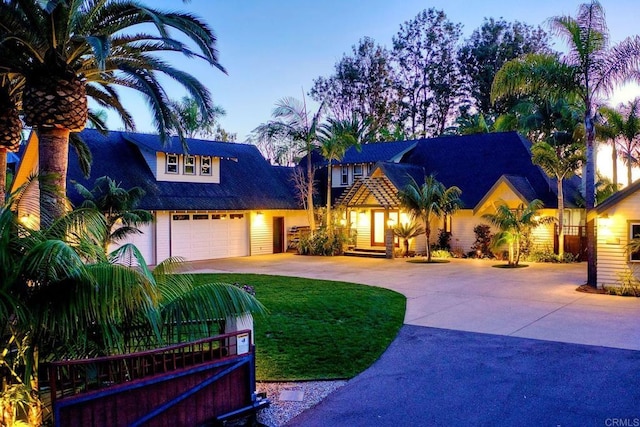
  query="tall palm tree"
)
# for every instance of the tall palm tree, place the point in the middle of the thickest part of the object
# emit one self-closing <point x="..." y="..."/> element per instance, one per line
<point x="119" y="207"/>
<point x="513" y="224"/>
<point x="335" y="137"/>
<point x="68" y="50"/>
<point x="428" y="201"/>
<point x="292" y="120"/>
<point x="623" y="124"/>
<point x="61" y="295"/>
<point x="191" y="121"/>
<point x="590" y="68"/>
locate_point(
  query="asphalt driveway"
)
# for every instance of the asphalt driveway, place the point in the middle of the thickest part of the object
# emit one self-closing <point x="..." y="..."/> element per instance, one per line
<point x="481" y="346"/>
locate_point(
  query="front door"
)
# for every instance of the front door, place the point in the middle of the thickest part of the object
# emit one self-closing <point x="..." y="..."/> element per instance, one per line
<point x="380" y="221"/>
<point x="278" y="234"/>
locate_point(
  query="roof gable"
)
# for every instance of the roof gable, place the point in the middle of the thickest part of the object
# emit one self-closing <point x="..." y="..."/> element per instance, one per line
<point x="618" y="197"/>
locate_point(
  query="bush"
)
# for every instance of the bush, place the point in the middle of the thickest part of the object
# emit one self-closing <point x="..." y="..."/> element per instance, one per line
<point x="444" y="240"/>
<point x="321" y="243"/>
<point x="548" y="256"/>
<point x="629" y="285"/>
<point x="481" y="248"/>
<point x="440" y="253"/>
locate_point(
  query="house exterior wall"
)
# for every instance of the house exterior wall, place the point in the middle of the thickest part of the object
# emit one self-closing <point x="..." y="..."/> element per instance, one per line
<point x="162" y="175"/>
<point x="162" y="231"/>
<point x="261" y="228"/>
<point x="613" y="235"/>
<point x="462" y="235"/>
<point x="145" y="242"/>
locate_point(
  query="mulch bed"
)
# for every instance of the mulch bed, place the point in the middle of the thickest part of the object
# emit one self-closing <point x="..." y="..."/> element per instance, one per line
<point x="587" y="289"/>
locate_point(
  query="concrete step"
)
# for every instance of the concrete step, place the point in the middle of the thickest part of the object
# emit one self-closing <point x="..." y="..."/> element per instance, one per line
<point x="366" y="253"/>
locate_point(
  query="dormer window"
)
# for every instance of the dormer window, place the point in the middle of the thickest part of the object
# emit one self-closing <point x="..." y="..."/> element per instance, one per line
<point x="172" y="163"/>
<point x="357" y="171"/>
<point x="344" y="175"/>
<point x="205" y="165"/>
<point x="189" y="165"/>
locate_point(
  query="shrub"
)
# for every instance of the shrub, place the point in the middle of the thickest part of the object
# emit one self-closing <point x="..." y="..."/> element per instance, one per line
<point x="323" y="243"/>
<point x="548" y="256"/>
<point x="444" y="240"/>
<point x="481" y="247"/>
<point x="441" y="253"/>
<point x="629" y="285"/>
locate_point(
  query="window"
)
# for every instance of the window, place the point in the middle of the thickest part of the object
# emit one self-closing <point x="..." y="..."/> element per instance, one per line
<point x="634" y="233"/>
<point x="357" y="171"/>
<point x="219" y="216"/>
<point x="172" y="163"/>
<point x="236" y="216"/>
<point x="369" y="168"/>
<point x="205" y="165"/>
<point x="189" y="165"/>
<point x="344" y="175"/>
<point x="200" y="216"/>
<point x="181" y="217"/>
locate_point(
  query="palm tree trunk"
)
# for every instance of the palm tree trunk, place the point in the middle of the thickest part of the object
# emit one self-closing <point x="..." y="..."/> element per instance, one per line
<point x="590" y="196"/>
<point x="614" y="163"/>
<point x="427" y="233"/>
<point x="329" y="173"/>
<point x="629" y="168"/>
<point x="53" y="160"/>
<point x="560" y="219"/>
<point x="310" y="213"/>
<point x="3" y="174"/>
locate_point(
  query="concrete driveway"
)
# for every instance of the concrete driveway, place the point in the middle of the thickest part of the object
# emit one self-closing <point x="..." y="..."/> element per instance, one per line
<point x="538" y="302"/>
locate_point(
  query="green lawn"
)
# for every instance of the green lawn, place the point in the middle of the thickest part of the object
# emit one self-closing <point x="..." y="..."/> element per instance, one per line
<point x="318" y="329"/>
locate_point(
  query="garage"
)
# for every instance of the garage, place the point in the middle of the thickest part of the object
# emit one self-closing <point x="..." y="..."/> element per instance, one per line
<point x="199" y="236"/>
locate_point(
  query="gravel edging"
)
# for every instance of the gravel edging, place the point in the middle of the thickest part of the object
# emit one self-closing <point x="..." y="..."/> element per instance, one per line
<point x="281" y="411"/>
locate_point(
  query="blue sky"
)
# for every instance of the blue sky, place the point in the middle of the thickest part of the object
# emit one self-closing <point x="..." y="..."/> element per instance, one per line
<point x="275" y="48"/>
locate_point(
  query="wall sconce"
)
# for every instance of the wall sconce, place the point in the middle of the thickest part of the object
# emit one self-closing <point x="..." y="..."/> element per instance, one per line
<point x="259" y="214"/>
<point x="604" y="221"/>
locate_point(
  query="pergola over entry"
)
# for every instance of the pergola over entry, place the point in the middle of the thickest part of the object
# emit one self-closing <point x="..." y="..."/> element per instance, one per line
<point x="370" y="191"/>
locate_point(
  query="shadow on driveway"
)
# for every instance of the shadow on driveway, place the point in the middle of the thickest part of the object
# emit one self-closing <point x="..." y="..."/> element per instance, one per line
<point x="433" y="377"/>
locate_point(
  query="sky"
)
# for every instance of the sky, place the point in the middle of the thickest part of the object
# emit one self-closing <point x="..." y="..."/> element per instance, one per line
<point x="273" y="49"/>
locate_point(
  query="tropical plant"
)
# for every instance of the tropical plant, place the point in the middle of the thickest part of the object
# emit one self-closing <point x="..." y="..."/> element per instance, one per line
<point x="67" y="51"/>
<point x="623" y="128"/>
<point x="10" y="123"/>
<point x="335" y="137"/>
<point x="292" y="120"/>
<point x="429" y="201"/>
<point x="62" y="296"/>
<point x="560" y="157"/>
<point x="119" y="207"/>
<point x="590" y="68"/>
<point x="513" y="225"/>
<point x="482" y="245"/>
<point x="193" y="123"/>
<point x="407" y="231"/>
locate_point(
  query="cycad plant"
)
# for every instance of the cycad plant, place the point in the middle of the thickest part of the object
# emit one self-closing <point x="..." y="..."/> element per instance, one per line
<point x="407" y="231"/>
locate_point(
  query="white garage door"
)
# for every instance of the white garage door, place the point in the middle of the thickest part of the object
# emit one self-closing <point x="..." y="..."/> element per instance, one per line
<point x="198" y="236"/>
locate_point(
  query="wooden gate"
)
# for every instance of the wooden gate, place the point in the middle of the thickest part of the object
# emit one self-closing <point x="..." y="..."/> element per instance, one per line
<point x="182" y="385"/>
<point x="575" y="241"/>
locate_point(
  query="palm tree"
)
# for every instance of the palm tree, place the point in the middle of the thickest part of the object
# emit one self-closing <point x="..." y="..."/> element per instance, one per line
<point x="67" y="51"/>
<point x="624" y="123"/>
<point x="191" y="121"/>
<point x="429" y="201"/>
<point x="589" y="69"/>
<point x="62" y="296"/>
<point x="292" y="120"/>
<point x="335" y="138"/>
<point x="407" y="231"/>
<point x="119" y="207"/>
<point x="10" y="124"/>
<point x="513" y="225"/>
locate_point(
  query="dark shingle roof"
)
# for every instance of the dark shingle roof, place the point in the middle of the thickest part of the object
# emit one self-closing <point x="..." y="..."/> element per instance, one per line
<point x="401" y="174"/>
<point x="474" y="163"/>
<point x="174" y="145"/>
<point x="248" y="182"/>
<point x="376" y="152"/>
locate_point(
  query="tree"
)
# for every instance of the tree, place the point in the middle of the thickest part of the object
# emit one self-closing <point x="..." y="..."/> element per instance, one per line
<point x="487" y="50"/>
<point x="119" y="207"/>
<point x="623" y="126"/>
<point x="10" y="123"/>
<point x="62" y="296"/>
<point x="362" y="86"/>
<point x="193" y="123"/>
<point x="428" y="78"/>
<point x="407" y="231"/>
<point x="513" y="224"/>
<point x="292" y="120"/>
<point x="335" y="138"/>
<point x="589" y="69"/>
<point x="429" y="201"/>
<point x="67" y="51"/>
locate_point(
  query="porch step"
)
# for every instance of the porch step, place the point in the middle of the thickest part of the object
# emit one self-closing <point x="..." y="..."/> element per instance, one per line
<point x="366" y="253"/>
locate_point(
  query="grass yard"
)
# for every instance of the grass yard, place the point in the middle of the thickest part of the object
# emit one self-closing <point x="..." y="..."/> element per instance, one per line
<point x="318" y="329"/>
